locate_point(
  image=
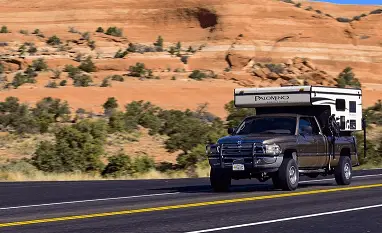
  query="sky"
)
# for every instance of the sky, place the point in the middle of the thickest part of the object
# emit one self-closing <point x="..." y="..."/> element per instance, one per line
<point x="365" y="2"/>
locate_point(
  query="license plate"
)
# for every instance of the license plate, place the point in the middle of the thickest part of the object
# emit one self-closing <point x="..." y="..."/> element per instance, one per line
<point x="238" y="167"/>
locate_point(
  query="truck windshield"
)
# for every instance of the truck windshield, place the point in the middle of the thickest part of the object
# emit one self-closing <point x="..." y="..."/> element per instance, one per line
<point x="268" y="125"/>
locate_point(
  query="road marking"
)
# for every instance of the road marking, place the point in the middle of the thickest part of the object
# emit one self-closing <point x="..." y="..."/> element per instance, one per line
<point x="354" y="177"/>
<point x="148" y="195"/>
<point x="182" y="206"/>
<point x="91" y="200"/>
<point x="287" y="219"/>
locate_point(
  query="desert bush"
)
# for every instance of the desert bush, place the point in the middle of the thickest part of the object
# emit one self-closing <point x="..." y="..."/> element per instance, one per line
<point x="105" y="83"/>
<point x="184" y="59"/>
<point x="110" y="105"/>
<point x="375" y="12"/>
<point x="51" y="84"/>
<point x="298" y="5"/>
<point x="73" y="30"/>
<point x="191" y="50"/>
<point x="20" y="79"/>
<point x="132" y="48"/>
<point x="56" y="73"/>
<point x="343" y="20"/>
<point x="275" y="68"/>
<point x="309" y="8"/>
<point x="100" y="29"/>
<point x="82" y="80"/>
<point x="318" y="12"/>
<point x="63" y="83"/>
<point x="39" y="65"/>
<point x="87" y="65"/>
<point x="119" y="165"/>
<point x="114" y="31"/>
<point x="92" y="44"/>
<point x="347" y="78"/>
<point x="72" y="71"/>
<point x="196" y="155"/>
<point x="32" y="49"/>
<point x="172" y="50"/>
<point x="117" y="77"/>
<point x="159" y="42"/>
<point x="139" y="70"/>
<point x="2" y="69"/>
<point x="77" y="148"/>
<point x="197" y="75"/>
<point x="54" y="40"/>
<point x="4" y="29"/>
<point x="358" y="18"/>
<point x="143" y="164"/>
<point x="85" y="36"/>
<point x="36" y="31"/>
<point x="121" y="54"/>
<point x="24" y="32"/>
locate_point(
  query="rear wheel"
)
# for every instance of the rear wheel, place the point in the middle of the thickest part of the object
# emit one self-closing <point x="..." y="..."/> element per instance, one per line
<point x="220" y="180"/>
<point x="343" y="171"/>
<point x="288" y="175"/>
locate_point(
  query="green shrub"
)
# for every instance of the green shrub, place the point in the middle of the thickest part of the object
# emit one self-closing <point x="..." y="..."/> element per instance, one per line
<point x="51" y="84"/>
<point x="114" y="31"/>
<point x="139" y="70"/>
<point x="275" y="68"/>
<point x="298" y="5"/>
<point x="159" y="42"/>
<point x="82" y="80"/>
<point x="105" y="83"/>
<point x="32" y="49"/>
<point x="132" y="48"/>
<point x="117" y="77"/>
<point x="119" y="165"/>
<point x="196" y="155"/>
<point x="85" y="36"/>
<point x="191" y="50"/>
<point x="100" y="29"/>
<point x="39" y="65"/>
<point x="110" y="105"/>
<point x="143" y="164"/>
<point x="72" y="71"/>
<point x="88" y="65"/>
<point x="92" y="44"/>
<point x="358" y="18"/>
<point x="2" y="68"/>
<point x="121" y="54"/>
<point x="56" y="73"/>
<point x="54" y="40"/>
<point x="347" y="78"/>
<point x="117" y="122"/>
<point x="309" y="8"/>
<point x="197" y="75"/>
<point x="77" y="148"/>
<point x="36" y="31"/>
<point x="4" y="29"/>
<point x="73" y="30"/>
<point x="25" y="32"/>
<point x="318" y="12"/>
<point x="184" y="59"/>
<point x="63" y="83"/>
<point x="343" y="20"/>
<point x="20" y="79"/>
<point x="376" y="12"/>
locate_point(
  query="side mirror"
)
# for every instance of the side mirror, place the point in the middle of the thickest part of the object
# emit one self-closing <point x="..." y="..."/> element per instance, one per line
<point x="231" y="130"/>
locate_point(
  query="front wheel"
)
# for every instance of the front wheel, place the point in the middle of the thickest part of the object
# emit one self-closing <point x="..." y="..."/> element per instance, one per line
<point x="220" y="180"/>
<point x="287" y="176"/>
<point x="343" y="171"/>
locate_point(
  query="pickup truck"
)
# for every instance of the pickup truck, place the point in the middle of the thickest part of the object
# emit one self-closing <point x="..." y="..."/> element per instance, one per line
<point x="280" y="147"/>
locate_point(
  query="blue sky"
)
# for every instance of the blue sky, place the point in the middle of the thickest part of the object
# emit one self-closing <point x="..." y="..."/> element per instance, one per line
<point x="365" y="2"/>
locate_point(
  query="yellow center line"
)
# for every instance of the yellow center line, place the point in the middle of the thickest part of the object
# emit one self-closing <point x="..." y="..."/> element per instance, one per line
<point x="197" y="204"/>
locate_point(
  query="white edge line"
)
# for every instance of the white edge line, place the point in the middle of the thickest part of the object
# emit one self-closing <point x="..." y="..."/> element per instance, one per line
<point x="91" y="200"/>
<point x="287" y="219"/>
<point x="354" y="177"/>
<point x="139" y="196"/>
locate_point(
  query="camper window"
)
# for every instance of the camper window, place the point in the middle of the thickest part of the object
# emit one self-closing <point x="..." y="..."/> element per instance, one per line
<point x="352" y="106"/>
<point x="340" y="105"/>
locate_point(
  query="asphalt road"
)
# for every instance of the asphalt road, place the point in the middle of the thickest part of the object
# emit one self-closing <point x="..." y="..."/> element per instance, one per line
<point x="189" y="205"/>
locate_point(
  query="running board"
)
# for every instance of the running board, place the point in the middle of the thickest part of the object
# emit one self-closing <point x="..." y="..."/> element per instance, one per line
<point x="312" y="171"/>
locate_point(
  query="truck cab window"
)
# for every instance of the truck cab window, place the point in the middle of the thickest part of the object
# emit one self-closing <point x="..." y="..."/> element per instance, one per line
<point x="305" y="126"/>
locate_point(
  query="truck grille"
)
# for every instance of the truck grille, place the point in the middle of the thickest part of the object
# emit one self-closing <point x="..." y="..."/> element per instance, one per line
<point x="237" y="150"/>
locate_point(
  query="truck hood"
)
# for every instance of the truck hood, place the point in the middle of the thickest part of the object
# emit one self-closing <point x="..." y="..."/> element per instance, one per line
<point x="257" y="138"/>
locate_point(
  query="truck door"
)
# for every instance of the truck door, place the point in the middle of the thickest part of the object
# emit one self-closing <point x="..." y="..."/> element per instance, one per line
<point x="307" y="144"/>
<point x="320" y="141"/>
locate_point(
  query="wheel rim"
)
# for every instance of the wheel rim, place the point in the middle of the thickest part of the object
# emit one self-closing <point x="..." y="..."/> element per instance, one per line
<point x="347" y="171"/>
<point x="292" y="175"/>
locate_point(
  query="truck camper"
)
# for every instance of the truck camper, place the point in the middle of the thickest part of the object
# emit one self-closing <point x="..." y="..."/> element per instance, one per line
<point x="297" y="130"/>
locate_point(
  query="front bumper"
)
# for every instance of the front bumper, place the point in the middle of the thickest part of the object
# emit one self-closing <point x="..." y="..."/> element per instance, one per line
<point x="256" y="164"/>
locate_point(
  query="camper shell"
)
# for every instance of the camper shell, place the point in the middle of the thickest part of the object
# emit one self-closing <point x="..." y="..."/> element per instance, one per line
<point x="297" y="130"/>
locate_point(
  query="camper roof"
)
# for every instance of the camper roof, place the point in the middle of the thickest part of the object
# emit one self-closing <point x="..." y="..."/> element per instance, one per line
<point x="287" y="96"/>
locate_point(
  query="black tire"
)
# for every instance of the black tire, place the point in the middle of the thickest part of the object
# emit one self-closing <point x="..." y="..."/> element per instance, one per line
<point x="343" y="171"/>
<point x="288" y="175"/>
<point x="220" y="180"/>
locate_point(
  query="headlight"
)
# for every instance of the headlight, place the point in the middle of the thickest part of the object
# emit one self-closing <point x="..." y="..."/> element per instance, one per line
<point x="272" y="149"/>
